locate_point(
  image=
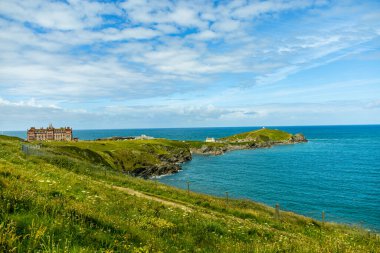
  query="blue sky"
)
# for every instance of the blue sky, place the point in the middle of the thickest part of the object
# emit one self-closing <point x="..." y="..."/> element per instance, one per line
<point x="142" y="64"/>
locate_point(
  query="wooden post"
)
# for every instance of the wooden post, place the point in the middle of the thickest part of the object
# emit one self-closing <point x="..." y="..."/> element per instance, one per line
<point x="323" y="217"/>
<point x="277" y="213"/>
<point x="227" y="198"/>
<point x="188" y="187"/>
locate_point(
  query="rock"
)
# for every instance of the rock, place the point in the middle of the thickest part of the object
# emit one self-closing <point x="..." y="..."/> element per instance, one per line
<point x="169" y="164"/>
<point x="210" y="150"/>
<point x="157" y="170"/>
<point x="171" y="161"/>
<point x="298" y="138"/>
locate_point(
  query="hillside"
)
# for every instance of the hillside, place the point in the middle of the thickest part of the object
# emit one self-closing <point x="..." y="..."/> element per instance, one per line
<point x="145" y="158"/>
<point x="263" y="135"/>
<point x="262" y="138"/>
<point x="64" y="200"/>
<point x="142" y="158"/>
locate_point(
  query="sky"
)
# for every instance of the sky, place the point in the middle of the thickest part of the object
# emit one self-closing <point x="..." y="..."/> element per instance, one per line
<point x="152" y="64"/>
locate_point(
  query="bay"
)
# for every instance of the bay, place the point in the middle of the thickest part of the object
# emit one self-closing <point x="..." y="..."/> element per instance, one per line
<point x="337" y="171"/>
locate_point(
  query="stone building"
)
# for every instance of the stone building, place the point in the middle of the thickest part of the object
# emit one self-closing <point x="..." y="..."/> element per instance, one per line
<point x="50" y="134"/>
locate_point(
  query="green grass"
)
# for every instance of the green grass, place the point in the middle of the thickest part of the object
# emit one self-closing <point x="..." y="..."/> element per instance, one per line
<point x="123" y="156"/>
<point x="69" y="206"/>
<point x="261" y="135"/>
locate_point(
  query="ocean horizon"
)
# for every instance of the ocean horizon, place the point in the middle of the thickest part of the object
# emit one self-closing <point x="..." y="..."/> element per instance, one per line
<point x="92" y="134"/>
<point x="337" y="171"/>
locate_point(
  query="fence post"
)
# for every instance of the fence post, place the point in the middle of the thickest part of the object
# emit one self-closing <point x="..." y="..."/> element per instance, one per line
<point x="277" y="212"/>
<point x="227" y="198"/>
<point x="323" y="217"/>
<point x="188" y="187"/>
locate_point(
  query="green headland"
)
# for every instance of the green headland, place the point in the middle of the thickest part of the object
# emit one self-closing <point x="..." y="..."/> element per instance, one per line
<point x="88" y="196"/>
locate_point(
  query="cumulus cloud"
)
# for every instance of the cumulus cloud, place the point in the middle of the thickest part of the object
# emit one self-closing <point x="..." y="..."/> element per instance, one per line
<point x="79" y="53"/>
<point x="20" y="115"/>
<point x="56" y="14"/>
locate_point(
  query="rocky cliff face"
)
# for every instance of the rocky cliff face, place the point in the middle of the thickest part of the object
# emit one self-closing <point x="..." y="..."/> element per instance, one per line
<point x="249" y="143"/>
<point x="298" y="138"/>
<point x="146" y="158"/>
<point x="165" y="157"/>
<point x="168" y="164"/>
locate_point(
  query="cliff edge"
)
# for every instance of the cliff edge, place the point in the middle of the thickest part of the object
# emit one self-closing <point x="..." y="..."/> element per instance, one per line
<point x="262" y="138"/>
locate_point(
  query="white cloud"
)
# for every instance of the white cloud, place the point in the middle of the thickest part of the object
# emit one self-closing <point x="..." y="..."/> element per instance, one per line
<point x="21" y="115"/>
<point x="255" y="9"/>
<point x="374" y="104"/>
<point x="32" y="103"/>
<point x="112" y="34"/>
<point x="204" y="35"/>
<point x="227" y="25"/>
<point x="72" y="53"/>
<point x="57" y="15"/>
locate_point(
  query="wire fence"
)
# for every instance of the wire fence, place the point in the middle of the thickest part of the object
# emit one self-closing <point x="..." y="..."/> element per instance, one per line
<point x="320" y="215"/>
<point x="32" y="150"/>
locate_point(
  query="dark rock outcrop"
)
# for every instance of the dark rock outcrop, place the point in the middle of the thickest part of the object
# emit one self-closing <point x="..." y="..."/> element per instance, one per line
<point x="209" y="150"/>
<point x="259" y="142"/>
<point x="156" y="170"/>
<point x="297" y="138"/>
<point x="169" y="164"/>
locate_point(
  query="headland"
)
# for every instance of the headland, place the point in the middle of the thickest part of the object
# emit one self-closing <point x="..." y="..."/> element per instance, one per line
<point x="145" y="156"/>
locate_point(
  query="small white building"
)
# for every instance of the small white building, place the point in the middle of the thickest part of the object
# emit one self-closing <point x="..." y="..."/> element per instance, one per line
<point x="210" y="139"/>
<point x="144" y="137"/>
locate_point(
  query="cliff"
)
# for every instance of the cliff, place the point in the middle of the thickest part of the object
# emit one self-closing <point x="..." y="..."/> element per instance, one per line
<point x="69" y="201"/>
<point x="146" y="158"/>
<point x="142" y="158"/>
<point x="262" y="138"/>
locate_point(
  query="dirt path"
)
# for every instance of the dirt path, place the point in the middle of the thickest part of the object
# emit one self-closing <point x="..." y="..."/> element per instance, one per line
<point x="142" y="195"/>
<point x="203" y="211"/>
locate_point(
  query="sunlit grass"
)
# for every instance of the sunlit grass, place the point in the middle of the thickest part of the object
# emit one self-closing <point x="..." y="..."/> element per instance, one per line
<point x="263" y="134"/>
<point x="66" y="204"/>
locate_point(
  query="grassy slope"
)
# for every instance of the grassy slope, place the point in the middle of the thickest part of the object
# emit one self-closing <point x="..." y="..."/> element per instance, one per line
<point x="132" y="155"/>
<point x="260" y="135"/>
<point x="56" y="208"/>
<point x="252" y="139"/>
<point x="120" y="155"/>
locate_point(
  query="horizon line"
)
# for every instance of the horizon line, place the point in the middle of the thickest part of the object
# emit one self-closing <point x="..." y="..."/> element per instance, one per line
<point x="142" y="128"/>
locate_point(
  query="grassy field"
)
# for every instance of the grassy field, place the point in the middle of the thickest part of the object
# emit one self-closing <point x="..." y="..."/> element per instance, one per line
<point x="59" y="199"/>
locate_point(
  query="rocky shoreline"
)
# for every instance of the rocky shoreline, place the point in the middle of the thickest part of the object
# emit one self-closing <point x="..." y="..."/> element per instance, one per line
<point x="173" y="164"/>
<point x="220" y="150"/>
<point x="167" y="165"/>
<point x="145" y="156"/>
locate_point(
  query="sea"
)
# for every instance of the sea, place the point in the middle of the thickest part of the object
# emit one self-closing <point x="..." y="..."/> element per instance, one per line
<point x="337" y="172"/>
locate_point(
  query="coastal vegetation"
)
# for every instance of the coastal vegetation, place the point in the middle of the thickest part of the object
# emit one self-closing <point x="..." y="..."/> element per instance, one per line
<point x="261" y="135"/>
<point x="82" y="197"/>
<point x="262" y="138"/>
<point x="151" y="157"/>
<point x="142" y="158"/>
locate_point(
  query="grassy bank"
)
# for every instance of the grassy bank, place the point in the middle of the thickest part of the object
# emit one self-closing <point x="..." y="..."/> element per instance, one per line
<point x="261" y="135"/>
<point x="61" y="199"/>
<point x="135" y="157"/>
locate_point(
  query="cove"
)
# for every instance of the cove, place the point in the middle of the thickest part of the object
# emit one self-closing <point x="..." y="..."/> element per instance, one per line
<point x="336" y="171"/>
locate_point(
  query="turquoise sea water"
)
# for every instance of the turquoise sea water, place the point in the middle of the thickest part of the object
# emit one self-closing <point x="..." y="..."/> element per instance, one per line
<point x="337" y="171"/>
